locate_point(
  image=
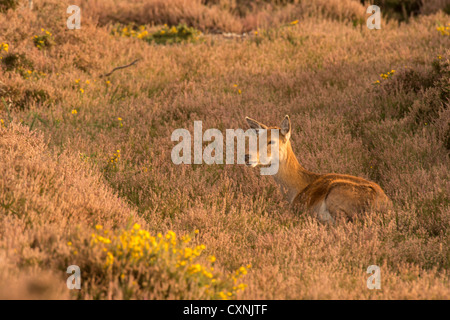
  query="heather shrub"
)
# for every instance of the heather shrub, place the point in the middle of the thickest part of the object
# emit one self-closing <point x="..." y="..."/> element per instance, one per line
<point x="426" y="109"/>
<point x="8" y="94"/>
<point x="444" y="132"/>
<point x="33" y="96"/>
<point x="417" y="93"/>
<point x="174" y="12"/>
<point x="47" y="201"/>
<point x="19" y="98"/>
<point x="344" y="10"/>
<point x="115" y="261"/>
<point x="97" y="151"/>
<point x="16" y="62"/>
<point x="223" y="16"/>
<point x="142" y="266"/>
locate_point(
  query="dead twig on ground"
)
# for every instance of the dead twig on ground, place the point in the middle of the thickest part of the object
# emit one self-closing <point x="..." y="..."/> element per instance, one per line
<point x="118" y="68"/>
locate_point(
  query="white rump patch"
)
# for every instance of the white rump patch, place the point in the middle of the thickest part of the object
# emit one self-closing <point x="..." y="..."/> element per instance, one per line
<point x="322" y="213"/>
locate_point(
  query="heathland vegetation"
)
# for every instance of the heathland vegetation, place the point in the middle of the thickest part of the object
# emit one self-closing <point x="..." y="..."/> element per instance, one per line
<point x="86" y="176"/>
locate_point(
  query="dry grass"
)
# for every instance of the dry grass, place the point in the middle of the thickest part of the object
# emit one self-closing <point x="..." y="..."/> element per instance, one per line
<point x="220" y="16"/>
<point x="58" y="182"/>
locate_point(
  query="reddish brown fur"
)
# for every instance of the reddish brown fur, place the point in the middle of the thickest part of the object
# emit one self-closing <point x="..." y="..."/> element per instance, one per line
<point x="345" y="195"/>
<point x="327" y="196"/>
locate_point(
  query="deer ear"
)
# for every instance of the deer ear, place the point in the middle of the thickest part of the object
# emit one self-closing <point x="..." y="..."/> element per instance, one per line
<point x="286" y="127"/>
<point x="253" y="124"/>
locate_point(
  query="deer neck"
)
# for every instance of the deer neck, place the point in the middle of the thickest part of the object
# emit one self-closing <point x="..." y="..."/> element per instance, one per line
<point x="291" y="176"/>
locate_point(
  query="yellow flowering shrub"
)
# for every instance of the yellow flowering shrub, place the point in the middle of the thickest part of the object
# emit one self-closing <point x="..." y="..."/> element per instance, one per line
<point x="385" y="76"/>
<point x="114" y="159"/>
<point x="4" y="47"/>
<point x="45" y="40"/>
<point x="158" y="266"/>
<point x="444" y="30"/>
<point x="178" y="34"/>
<point x="32" y="74"/>
<point x="130" y="31"/>
<point x="81" y="86"/>
<point x="165" y="35"/>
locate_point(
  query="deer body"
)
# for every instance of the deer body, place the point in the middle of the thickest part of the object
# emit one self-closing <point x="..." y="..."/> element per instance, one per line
<point x="326" y="196"/>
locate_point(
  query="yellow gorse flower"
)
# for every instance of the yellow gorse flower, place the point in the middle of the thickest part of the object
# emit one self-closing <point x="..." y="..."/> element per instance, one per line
<point x="109" y="259"/>
<point x="4" y="47"/>
<point x="130" y="32"/>
<point x="444" y="30"/>
<point x="115" y="158"/>
<point x="173" y="34"/>
<point x="385" y="76"/>
<point x="43" y="40"/>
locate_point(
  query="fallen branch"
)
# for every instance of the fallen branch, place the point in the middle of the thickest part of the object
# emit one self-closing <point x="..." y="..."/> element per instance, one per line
<point x="118" y="68"/>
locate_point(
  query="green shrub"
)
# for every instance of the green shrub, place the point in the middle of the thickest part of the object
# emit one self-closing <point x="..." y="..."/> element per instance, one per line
<point x="38" y="96"/>
<point x="44" y="40"/>
<point x="178" y="34"/>
<point x="165" y="35"/>
<point x="20" y="99"/>
<point x="5" y="5"/>
<point x="16" y="62"/>
<point x="447" y="8"/>
<point x="400" y="10"/>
